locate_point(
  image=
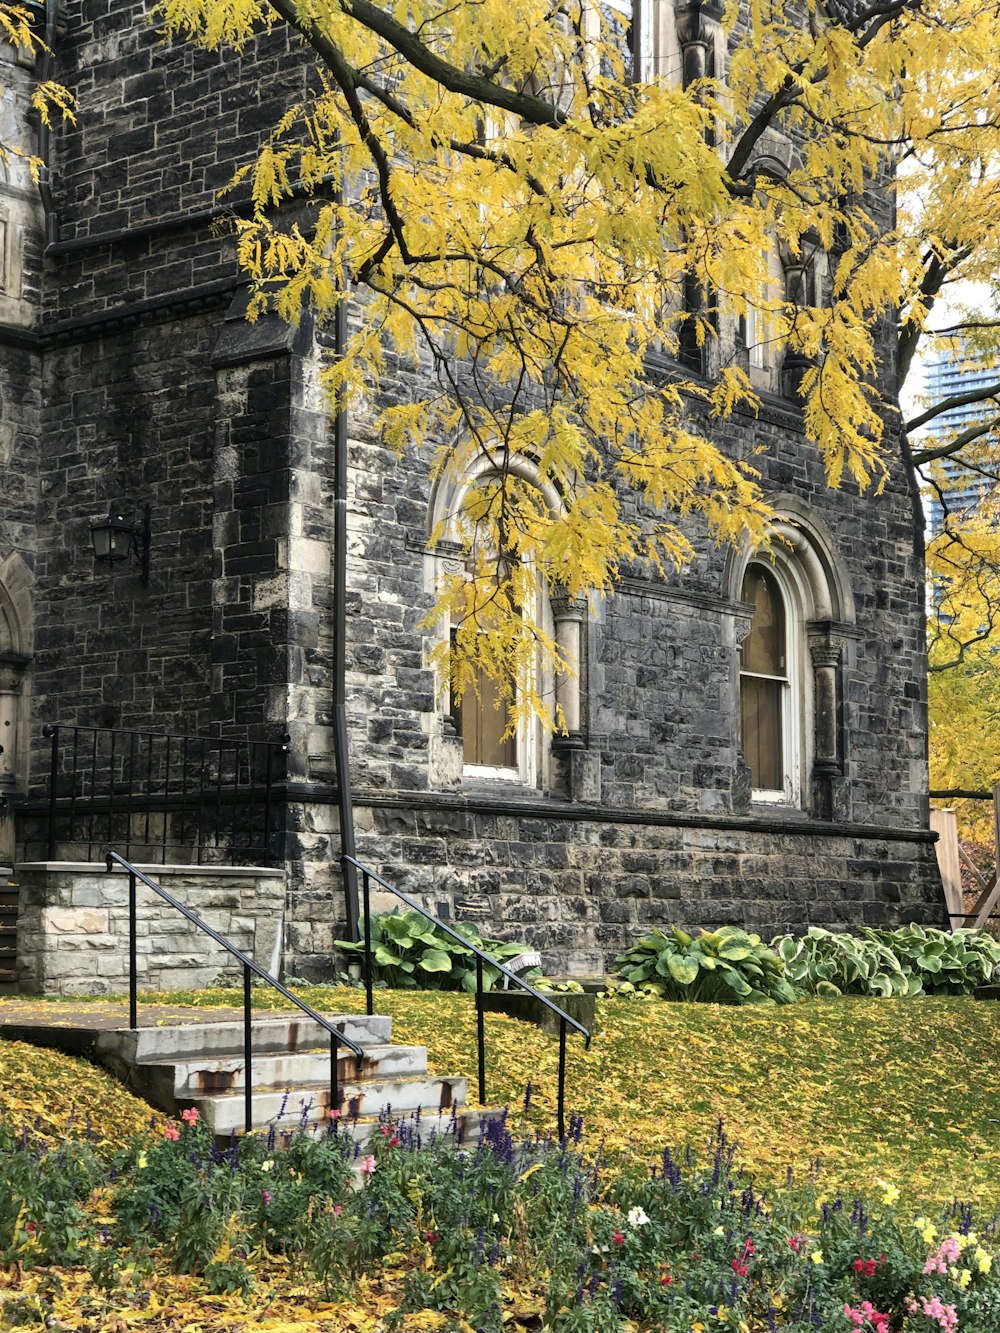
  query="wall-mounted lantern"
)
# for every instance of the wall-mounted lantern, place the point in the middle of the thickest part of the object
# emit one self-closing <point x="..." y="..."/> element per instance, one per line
<point x="115" y="540"/>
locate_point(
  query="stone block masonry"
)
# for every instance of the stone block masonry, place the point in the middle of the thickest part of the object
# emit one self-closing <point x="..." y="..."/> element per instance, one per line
<point x="72" y="927"/>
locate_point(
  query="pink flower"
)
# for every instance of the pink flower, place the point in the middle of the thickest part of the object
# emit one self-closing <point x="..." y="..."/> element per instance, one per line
<point x="368" y="1165"/>
<point x="337" y="1210"/>
<point x="265" y="1197"/>
<point x="334" y="1114"/>
<point x="618" y="1238"/>
<point x="795" y="1242"/>
<point x="190" y="1116"/>
<point x="31" y="1228"/>
<point x="171" y="1132"/>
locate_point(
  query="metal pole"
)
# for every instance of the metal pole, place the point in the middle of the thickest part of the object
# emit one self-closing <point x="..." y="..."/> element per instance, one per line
<point x="480" y="1030"/>
<point x="561" y="1107"/>
<point x="132" y="980"/>
<point x="247" y="1053"/>
<point x="370" y="1009"/>
<point x="345" y="803"/>
<point x="334" y="1080"/>
<point x="53" y="771"/>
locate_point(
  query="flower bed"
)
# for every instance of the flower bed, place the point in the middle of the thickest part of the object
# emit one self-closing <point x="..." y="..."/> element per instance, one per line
<point x="177" y="1232"/>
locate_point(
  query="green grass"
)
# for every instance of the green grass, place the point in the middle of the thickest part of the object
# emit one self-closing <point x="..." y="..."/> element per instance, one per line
<point x="900" y="1090"/>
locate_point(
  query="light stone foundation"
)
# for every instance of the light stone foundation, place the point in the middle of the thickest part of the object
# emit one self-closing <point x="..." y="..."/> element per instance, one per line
<point x="72" y="926"/>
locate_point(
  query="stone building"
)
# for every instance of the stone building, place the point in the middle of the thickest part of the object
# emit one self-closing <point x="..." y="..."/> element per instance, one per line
<point x="778" y="784"/>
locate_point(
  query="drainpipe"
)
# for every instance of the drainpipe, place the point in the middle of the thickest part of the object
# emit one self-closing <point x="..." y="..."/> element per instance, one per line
<point x="345" y="804"/>
<point x="42" y="137"/>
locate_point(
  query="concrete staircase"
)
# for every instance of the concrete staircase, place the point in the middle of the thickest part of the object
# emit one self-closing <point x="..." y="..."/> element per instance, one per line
<point x="202" y="1065"/>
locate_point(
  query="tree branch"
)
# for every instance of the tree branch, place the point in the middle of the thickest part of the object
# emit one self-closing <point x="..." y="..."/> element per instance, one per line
<point x="956" y="400"/>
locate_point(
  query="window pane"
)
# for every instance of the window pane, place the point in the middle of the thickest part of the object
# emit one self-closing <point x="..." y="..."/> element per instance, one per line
<point x="760" y="707"/>
<point x="763" y="649"/>
<point x="481" y="725"/>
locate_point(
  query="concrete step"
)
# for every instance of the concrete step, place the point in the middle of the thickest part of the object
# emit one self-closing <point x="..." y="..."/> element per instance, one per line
<point x="278" y="1035"/>
<point x="182" y="1080"/>
<point x="465" y="1124"/>
<point x="310" y="1105"/>
<point x="8" y="981"/>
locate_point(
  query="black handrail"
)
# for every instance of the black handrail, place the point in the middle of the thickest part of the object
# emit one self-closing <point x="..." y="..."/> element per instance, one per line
<point x="337" y="1038"/>
<point x="367" y="874"/>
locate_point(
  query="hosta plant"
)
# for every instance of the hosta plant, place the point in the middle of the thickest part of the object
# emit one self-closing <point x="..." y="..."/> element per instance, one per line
<point x="408" y="952"/>
<point x="912" y="960"/>
<point x="726" y="966"/>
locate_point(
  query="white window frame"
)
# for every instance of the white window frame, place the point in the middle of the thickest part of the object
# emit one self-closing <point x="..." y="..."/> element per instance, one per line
<point x="533" y="757"/>
<point x="793" y="686"/>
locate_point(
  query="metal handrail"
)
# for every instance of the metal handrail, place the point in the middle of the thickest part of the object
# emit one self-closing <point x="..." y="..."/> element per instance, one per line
<point x="367" y="874"/>
<point x="337" y="1038"/>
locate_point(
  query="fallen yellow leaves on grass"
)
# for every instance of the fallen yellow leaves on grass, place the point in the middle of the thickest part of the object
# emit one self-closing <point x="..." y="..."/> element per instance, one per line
<point x="56" y="1096"/>
<point x="892" y="1089"/>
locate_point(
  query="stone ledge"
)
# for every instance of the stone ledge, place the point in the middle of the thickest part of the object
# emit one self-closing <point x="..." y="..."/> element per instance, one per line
<point x="152" y="871"/>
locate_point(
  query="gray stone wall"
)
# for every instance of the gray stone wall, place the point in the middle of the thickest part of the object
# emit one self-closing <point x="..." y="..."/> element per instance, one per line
<point x="580" y="883"/>
<point x="155" y="392"/>
<point x="72" y="927"/>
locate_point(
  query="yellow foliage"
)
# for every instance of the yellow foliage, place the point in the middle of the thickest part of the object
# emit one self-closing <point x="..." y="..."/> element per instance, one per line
<point x="505" y="206"/>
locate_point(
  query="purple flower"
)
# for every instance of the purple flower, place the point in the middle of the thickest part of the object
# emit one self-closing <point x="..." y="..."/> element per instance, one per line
<point x="265" y="1197"/>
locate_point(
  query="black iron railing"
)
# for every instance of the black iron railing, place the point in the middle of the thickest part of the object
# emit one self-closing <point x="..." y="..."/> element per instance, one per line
<point x="159" y="796"/>
<point x="250" y="970"/>
<point x="565" y="1021"/>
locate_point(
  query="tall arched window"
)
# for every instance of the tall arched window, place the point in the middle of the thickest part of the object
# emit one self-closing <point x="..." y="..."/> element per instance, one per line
<point x="544" y="669"/>
<point x="767" y="698"/>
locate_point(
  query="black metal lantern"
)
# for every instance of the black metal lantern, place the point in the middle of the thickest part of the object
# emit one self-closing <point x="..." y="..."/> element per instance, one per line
<point x="115" y="540"/>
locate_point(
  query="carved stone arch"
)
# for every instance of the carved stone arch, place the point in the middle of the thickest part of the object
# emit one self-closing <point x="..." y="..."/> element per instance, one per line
<point x="804" y="557"/>
<point x="803" y="543"/>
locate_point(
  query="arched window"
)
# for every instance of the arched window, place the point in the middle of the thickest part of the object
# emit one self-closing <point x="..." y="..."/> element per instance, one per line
<point x="768" y="715"/>
<point x="493" y="744"/>
<point x="477" y="709"/>
<point x="794" y="628"/>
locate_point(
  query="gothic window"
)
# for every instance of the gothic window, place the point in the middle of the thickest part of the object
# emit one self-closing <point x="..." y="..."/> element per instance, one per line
<point x="493" y="744"/>
<point x="479" y="712"/>
<point x="793" y="723"/>
<point x="767" y="702"/>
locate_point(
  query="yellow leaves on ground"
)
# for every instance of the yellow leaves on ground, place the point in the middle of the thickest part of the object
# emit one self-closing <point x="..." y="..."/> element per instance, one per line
<point x="890" y="1089"/>
<point x="55" y="1096"/>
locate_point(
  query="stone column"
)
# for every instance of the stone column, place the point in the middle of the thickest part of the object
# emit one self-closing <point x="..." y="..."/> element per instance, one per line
<point x="569" y="613"/>
<point x="826" y="657"/>
<point x="827" y="765"/>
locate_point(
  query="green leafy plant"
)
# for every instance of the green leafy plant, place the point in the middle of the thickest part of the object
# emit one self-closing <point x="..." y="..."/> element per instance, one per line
<point x="911" y="960"/>
<point x="409" y="953"/>
<point x="726" y="966"/>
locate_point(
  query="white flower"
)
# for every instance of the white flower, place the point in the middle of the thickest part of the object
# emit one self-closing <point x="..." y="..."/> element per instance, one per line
<point x="637" y="1217"/>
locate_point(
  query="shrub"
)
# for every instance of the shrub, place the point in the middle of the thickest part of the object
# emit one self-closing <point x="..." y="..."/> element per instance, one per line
<point x="912" y="960"/>
<point x="410" y="953"/>
<point x="727" y="966"/>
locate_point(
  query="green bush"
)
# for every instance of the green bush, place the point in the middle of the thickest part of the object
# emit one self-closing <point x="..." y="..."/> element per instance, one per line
<point x="727" y="966"/>
<point x="409" y="953"/>
<point x="912" y="960"/>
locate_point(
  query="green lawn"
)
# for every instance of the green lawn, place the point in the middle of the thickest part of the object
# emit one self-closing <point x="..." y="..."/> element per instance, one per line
<point x="900" y="1090"/>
